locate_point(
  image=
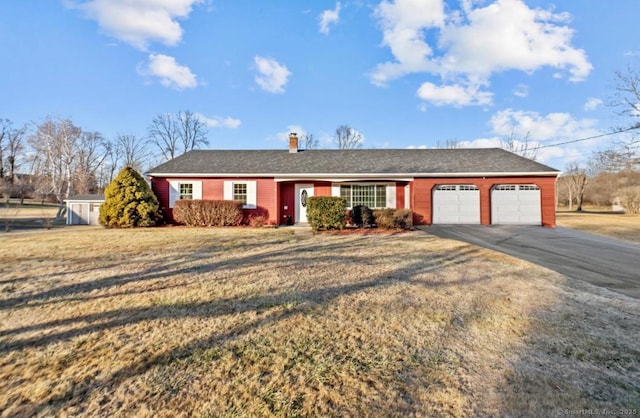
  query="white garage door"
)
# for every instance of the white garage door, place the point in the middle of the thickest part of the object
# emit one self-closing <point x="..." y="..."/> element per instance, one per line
<point x="517" y="204"/>
<point x="456" y="204"/>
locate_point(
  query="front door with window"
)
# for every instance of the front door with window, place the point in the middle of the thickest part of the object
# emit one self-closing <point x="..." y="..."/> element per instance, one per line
<point x="303" y="192"/>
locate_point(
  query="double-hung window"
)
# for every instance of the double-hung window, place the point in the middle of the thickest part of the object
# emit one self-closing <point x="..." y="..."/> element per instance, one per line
<point x="186" y="190"/>
<point x="244" y="191"/>
<point x="240" y="192"/>
<point x="371" y="195"/>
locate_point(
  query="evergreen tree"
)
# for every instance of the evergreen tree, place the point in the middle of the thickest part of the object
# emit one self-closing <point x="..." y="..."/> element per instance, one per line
<point x="129" y="202"/>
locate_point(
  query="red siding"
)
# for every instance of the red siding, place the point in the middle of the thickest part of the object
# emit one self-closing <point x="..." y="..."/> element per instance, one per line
<point x="272" y="196"/>
<point x="267" y="199"/>
<point x="422" y="192"/>
<point x="322" y="189"/>
<point x="213" y="189"/>
<point x="160" y="187"/>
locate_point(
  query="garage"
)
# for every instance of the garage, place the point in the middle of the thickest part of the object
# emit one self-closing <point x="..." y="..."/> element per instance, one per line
<point x="516" y="204"/>
<point x="456" y="204"/>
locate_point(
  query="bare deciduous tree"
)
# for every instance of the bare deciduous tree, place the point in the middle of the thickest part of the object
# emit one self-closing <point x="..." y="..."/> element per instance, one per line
<point x="132" y="151"/>
<point x="627" y="95"/>
<point x="163" y="133"/>
<point x="174" y="135"/>
<point x="309" y="141"/>
<point x="55" y="144"/>
<point x="450" y="144"/>
<point x="14" y="148"/>
<point x="192" y="130"/>
<point x="347" y="137"/>
<point x="620" y="156"/>
<point x="576" y="180"/>
<point x="520" y="146"/>
<point x="11" y="146"/>
<point x="91" y="156"/>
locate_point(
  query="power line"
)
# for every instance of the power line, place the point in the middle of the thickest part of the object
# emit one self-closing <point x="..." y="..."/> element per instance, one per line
<point x="588" y="138"/>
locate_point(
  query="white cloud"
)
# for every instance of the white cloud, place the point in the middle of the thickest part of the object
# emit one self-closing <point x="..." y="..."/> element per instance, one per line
<point x="170" y="73"/>
<point x="454" y="95"/>
<point x="521" y="90"/>
<point x="592" y="103"/>
<point x="403" y="24"/>
<point x="552" y="126"/>
<point x="543" y="155"/>
<point x="272" y="76"/>
<point x="138" y="22"/>
<point x="329" y="17"/>
<point x="284" y="135"/>
<point x="535" y="130"/>
<point x="466" y="47"/>
<point x="220" y="122"/>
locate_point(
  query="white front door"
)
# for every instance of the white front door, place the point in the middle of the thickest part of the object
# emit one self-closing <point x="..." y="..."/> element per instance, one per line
<point x="303" y="191"/>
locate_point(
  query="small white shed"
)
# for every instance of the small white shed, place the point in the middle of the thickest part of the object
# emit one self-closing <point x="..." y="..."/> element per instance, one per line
<point x="84" y="209"/>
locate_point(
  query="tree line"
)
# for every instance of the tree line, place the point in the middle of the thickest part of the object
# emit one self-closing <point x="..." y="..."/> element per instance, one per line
<point x="56" y="159"/>
<point x="611" y="176"/>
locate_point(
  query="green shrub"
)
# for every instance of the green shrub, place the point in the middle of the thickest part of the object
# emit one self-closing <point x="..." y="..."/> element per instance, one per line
<point x="129" y="202"/>
<point x="362" y="216"/>
<point x="326" y="212"/>
<point x="208" y="212"/>
<point x="394" y="218"/>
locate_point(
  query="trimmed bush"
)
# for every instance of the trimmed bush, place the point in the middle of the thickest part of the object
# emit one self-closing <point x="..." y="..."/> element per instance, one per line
<point x="362" y="216"/>
<point x="129" y="202"/>
<point x="394" y="218"/>
<point x="326" y="212"/>
<point x="208" y="212"/>
<point x="404" y="218"/>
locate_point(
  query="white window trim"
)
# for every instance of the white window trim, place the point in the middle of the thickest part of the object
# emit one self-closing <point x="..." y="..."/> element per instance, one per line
<point x="174" y="190"/>
<point x="252" y="197"/>
<point x="391" y="191"/>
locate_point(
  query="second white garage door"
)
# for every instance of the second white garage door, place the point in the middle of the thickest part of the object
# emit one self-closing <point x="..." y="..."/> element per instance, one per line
<point x="517" y="204"/>
<point x="456" y="204"/>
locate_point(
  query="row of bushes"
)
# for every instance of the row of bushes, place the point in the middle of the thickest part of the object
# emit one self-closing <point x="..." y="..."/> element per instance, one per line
<point x="217" y="213"/>
<point x="325" y="212"/>
<point x="208" y="212"/>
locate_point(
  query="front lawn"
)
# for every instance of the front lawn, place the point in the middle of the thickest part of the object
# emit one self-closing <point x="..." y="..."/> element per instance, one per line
<point x="252" y="322"/>
<point x="609" y="224"/>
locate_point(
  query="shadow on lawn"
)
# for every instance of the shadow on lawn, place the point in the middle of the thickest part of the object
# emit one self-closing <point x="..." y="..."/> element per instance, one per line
<point x="86" y="324"/>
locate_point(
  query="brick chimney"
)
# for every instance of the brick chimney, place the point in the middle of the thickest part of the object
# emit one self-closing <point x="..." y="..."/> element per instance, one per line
<point x="293" y="142"/>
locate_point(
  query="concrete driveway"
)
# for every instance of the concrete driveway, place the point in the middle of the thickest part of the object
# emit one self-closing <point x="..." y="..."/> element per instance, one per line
<point x="606" y="262"/>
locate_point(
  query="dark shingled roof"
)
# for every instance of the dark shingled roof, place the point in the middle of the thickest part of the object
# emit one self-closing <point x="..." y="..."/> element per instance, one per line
<point x="362" y="161"/>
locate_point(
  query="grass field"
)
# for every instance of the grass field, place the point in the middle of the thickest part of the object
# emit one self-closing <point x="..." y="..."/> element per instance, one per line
<point x="611" y="224"/>
<point x="30" y="215"/>
<point x="251" y="322"/>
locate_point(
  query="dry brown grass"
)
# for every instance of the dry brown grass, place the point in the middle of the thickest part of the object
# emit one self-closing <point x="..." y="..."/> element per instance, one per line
<point x="610" y="224"/>
<point x="244" y="322"/>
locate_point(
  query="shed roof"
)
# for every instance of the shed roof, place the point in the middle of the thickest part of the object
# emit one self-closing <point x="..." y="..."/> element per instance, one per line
<point x="352" y="162"/>
<point x="86" y="198"/>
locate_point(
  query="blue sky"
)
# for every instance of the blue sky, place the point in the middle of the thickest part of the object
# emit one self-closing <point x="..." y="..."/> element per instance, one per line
<point x="404" y="73"/>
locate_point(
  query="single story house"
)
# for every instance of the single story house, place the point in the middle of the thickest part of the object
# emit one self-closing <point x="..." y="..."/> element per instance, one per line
<point x="84" y="209"/>
<point x="441" y="186"/>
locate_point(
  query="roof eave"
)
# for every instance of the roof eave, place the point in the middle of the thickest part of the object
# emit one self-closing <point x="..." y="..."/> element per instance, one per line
<point x="286" y="176"/>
